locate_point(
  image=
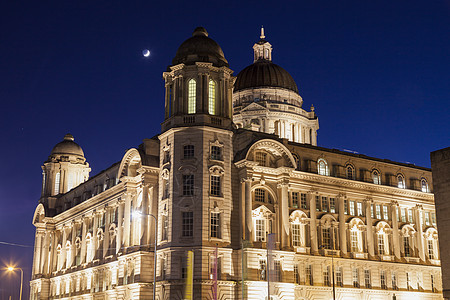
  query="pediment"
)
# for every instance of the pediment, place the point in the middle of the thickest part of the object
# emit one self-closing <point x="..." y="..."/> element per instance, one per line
<point x="254" y="107"/>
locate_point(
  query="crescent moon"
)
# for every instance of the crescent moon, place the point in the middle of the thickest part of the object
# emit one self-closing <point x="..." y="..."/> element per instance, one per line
<point x="146" y="53"/>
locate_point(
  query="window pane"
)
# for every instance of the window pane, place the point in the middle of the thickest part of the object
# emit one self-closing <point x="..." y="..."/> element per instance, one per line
<point x="215" y="185"/>
<point x="187" y="224"/>
<point x="188" y="151"/>
<point x="192" y="90"/>
<point x="212" y="98"/>
<point x="188" y="185"/>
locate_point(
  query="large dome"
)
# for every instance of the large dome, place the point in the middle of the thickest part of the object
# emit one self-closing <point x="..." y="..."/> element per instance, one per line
<point x="200" y="48"/>
<point x="264" y="73"/>
<point x="67" y="147"/>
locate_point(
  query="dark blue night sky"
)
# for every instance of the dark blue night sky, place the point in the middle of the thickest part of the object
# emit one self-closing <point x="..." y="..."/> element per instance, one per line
<point x="377" y="73"/>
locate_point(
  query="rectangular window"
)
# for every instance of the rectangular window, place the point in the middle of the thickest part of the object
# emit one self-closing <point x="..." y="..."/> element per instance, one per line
<point x="355" y="277"/>
<point x="345" y="207"/>
<point x="215" y="185"/>
<point x="433" y="218"/>
<point x="372" y="211"/>
<point x="260" y="195"/>
<point x="187" y="229"/>
<point x="165" y="229"/>
<point x="57" y="182"/>
<point x="394" y="281"/>
<point x="303" y="201"/>
<point x="359" y="209"/>
<point x="332" y="205"/>
<point x="403" y="212"/>
<point x="326" y="238"/>
<point x="383" y="279"/>
<point x="188" y="185"/>
<point x="339" y="281"/>
<point x="378" y="211"/>
<point x="297" y="274"/>
<point x="385" y="212"/>
<point x="261" y="158"/>
<point x="427" y="218"/>
<point x="326" y="276"/>
<point x="188" y="151"/>
<point x="308" y="275"/>
<point x="262" y="270"/>
<point x="216" y="153"/>
<point x="380" y="244"/>
<point x="260" y="232"/>
<point x="352" y="208"/>
<point x="408" y="281"/>
<point x="367" y="283"/>
<point x="430" y="249"/>
<point x="317" y="203"/>
<point x="410" y="215"/>
<point x="354" y="240"/>
<point x="277" y="270"/>
<point x="296" y="238"/>
<point x="215" y="225"/>
<point x="324" y="204"/>
<point x="406" y="246"/>
<point x="294" y="199"/>
<point x="433" y="286"/>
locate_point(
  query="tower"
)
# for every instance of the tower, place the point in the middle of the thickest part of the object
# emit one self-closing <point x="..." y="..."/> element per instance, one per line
<point x="195" y="161"/>
<point x="65" y="168"/>
<point x="266" y="99"/>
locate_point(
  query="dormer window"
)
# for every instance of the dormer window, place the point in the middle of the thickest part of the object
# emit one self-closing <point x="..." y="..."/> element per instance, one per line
<point x="424" y="185"/>
<point x="322" y="167"/>
<point x="350" y="172"/>
<point x="261" y="158"/>
<point x="401" y="181"/>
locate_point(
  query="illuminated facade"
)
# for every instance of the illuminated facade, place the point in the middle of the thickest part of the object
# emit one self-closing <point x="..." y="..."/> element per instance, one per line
<point x="219" y="179"/>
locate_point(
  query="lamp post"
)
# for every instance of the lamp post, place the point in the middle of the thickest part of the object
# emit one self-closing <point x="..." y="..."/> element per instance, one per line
<point x="332" y="269"/>
<point x="138" y="213"/>
<point x="11" y="269"/>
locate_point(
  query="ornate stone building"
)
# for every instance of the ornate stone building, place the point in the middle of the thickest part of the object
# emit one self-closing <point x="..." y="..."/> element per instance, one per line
<point x="228" y="170"/>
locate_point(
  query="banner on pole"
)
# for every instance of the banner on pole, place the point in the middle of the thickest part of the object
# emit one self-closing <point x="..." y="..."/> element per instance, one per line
<point x="189" y="285"/>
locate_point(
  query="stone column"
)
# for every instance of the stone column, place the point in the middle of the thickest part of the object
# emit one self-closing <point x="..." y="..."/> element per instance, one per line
<point x="120" y="225"/>
<point x="46" y="252"/>
<point x="127" y="220"/>
<point x="342" y="226"/>
<point x="369" y="227"/>
<point x="312" y="223"/>
<point x="106" y="232"/>
<point x="166" y="102"/>
<point x="37" y="252"/>
<point x="418" y="220"/>
<point x="94" y="235"/>
<point x="283" y="214"/>
<point x="248" y="209"/>
<point x="84" y="221"/>
<point x="72" y="245"/>
<point x="63" y="248"/>
<point x="395" y="230"/>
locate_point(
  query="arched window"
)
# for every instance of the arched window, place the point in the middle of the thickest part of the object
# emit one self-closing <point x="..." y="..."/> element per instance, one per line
<point x="401" y="181"/>
<point x="68" y="254"/>
<point x="298" y="228"/>
<point x="322" y="167"/>
<point x="262" y="223"/>
<point x="212" y="97"/>
<point x="57" y="181"/>
<point x="192" y="95"/>
<point x="424" y="185"/>
<point x="297" y="161"/>
<point x="382" y="231"/>
<point x="376" y="177"/>
<point x="350" y="172"/>
<point x="356" y="238"/>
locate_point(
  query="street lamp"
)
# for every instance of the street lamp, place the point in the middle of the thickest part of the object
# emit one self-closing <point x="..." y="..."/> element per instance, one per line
<point x="332" y="268"/>
<point x="12" y="269"/>
<point x="140" y="214"/>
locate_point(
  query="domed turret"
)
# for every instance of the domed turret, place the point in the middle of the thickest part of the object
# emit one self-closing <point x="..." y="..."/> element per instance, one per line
<point x="266" y="98"/>
<point x="65" y="168"/>
<point x="200" y="48"/>
<point x="198" y="85"/>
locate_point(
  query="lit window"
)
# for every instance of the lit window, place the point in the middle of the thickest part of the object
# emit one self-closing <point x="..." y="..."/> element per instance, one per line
<point x="385" y="212"/>
<point x="408" y="281"/>
<point x="427" y="218"/>
<point x="433" y="218"/>
<point x="297" y="274"/>
<point x="350" y="172"/>
<point x="324" y="204"/>
<point x="216" y="153"/>
<point x="376" y="177"/>
<point x="323" y="167"/>
<point x="260" y="230"/>
<point x="212" y="98"/>
<point x="378" y="211"/>
<point x="403" y="213"/>
<point x="359" y="209"/>
<point x="215" y="185"/>
<point x="187" y="229"/>
<point x="326" y="276"/>
<point x="57" y="182"/>
<point x="401" y="181"/>
<point x="345" y="207"/>
<point x="296" y="235"/>
<point x="261" y="158"/>
<point x="215" y="225"/>
<point x="367" y="279"/>
<point x="431" y="253"/>
<point x="383" y="279"/>
<point x="188" y="185"/>
<point x="424" y="185"/>
<point x="410" y="215"/>
<point x="188" y="151"/>
<point x="339" y="281"/>
<point x="381" y="243"/>
<point x="262" y="269"/>
<point x="326" y="238"/>
<point x="352" y="208"/>
<point x="192" y="91"/>
<point x="277" y="270"/>
<point x="332" y="205"/>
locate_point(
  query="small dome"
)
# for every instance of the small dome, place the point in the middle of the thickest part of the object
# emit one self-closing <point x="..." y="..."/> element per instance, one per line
<point x="264" y="73"/>
<point x="200" y="48"/>
<point x="68" y="146"/>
